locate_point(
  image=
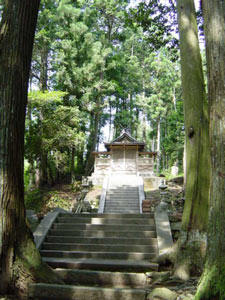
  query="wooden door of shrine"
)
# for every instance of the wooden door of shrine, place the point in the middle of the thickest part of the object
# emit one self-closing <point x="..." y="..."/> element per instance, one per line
<point x="124" y="159"/>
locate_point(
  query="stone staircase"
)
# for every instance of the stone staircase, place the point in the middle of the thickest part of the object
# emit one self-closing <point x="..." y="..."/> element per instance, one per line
<point x="100" y="256"/>
<point x="122" y="195"/>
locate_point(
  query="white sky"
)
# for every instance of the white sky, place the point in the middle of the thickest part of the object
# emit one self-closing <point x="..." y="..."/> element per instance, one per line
<point x="133" y="2"/>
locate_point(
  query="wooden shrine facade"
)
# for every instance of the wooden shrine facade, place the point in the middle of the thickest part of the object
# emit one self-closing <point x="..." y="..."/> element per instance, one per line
<point x="124" y="155"/>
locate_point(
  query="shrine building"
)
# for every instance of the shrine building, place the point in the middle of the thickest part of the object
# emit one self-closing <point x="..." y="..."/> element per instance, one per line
<point x="124" y="155"/>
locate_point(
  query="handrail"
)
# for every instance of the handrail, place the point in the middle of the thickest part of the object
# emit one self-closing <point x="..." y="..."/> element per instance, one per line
<point x="103" y="195"/>
<point x="163" y="230"/>
<point x="141" y="191"/>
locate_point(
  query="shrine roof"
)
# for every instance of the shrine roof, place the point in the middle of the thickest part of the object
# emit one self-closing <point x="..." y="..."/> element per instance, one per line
<point x="125" y="139"/>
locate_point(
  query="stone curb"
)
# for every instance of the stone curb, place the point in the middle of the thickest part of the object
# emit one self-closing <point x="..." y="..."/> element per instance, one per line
<point x="103" y="195"/>
<point x="163" y="230"/>
<point x="43" y="228"/>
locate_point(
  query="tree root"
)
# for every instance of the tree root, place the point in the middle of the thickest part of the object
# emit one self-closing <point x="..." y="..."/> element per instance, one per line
<point x="187" y="255"/>
<point x="28" y="267"/>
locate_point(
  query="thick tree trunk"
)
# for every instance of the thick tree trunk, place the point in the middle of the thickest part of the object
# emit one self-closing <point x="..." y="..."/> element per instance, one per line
<point x="158" y="146"/>
<point x="194" y="224"/>
<point x="20" y="262"/>
<point x="92" y="143"/>
<point x="212" y="284"/>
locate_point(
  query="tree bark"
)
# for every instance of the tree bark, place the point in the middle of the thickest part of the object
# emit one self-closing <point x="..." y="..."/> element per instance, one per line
<point x="44" y="68"/>
<point x="43" y="165"/>
<point x="158" y="146"/>
<point x="92" y="142"/>
<point x="72" y="166"/>
<point x="212" y="284"/>
<point x="20" y="261"/>
<point x="194" y="224"/>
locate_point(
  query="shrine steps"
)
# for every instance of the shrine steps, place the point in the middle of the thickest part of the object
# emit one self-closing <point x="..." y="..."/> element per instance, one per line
<point x="122" y="194"/>
<point x="99" y="256"/>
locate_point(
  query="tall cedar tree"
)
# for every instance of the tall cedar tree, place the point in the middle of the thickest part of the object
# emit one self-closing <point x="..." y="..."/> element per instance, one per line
<point x="20" y="262"/>
<point x="212" y="284"/>
<point x="192" y="241"/>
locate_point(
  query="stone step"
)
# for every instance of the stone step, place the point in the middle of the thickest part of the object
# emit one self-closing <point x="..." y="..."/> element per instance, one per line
<point x="71" y="292"/>
<point x="78" y="226"/>
<point x="124" y="184"/>
<point x="103" y="234"/>
<point x="119" y="192"/>
<point x="110" y="279"/>
<point x="137" y="256"/>
<point x="125" y="197"/>
<point x="108" y="216"/>
<point x="132" y="187"/>
<point x="118" y="265"/>
<point x="122" y="204"/>
<point x="100" y="248"/>
<point x="101" y="221"/>
<point x="122" y="200"/>
<point x="100" y="241"/>
<point x="121" y="207"/>
<point x="131" y="211"/>
<point x="98" y="221"/>
<point x="122" y="192"/>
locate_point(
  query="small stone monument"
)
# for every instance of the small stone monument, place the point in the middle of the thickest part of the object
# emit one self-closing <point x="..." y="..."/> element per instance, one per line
<point x="174" y="170"/>
<point x="163" y="193"/>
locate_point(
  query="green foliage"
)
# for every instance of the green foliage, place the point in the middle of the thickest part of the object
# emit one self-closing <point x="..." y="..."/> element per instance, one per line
<point x="112" y="63"/>
<point x="54" y="129"/>
<point x="42" y="200"/>
<point x="76" y="186"/>
<point x="26" y="175"/>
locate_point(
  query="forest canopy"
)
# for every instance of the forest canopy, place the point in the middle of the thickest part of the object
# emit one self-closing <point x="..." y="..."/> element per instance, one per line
<point x="100" y="67"/>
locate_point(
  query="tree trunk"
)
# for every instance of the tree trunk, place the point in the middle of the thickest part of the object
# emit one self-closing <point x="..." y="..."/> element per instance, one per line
<point x="158" y="146"/>
<point x="80" y="166"/>
<point x="31" y="160"/>
<point x="190" y="256"/>
<point x="43" y="169"/>
<point x="144" y="132"/>
<point x="44" y="178"/>
<point x="110" y="121"/>
<point x="92" y="142"/>
<point x="20" y="261"/>
<point x="72" y="166"/>
<point x="212" y="284"/>
<point x="131" y="104"/>
<point x="137" y="120"/>
<point x="44" y="69"/>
